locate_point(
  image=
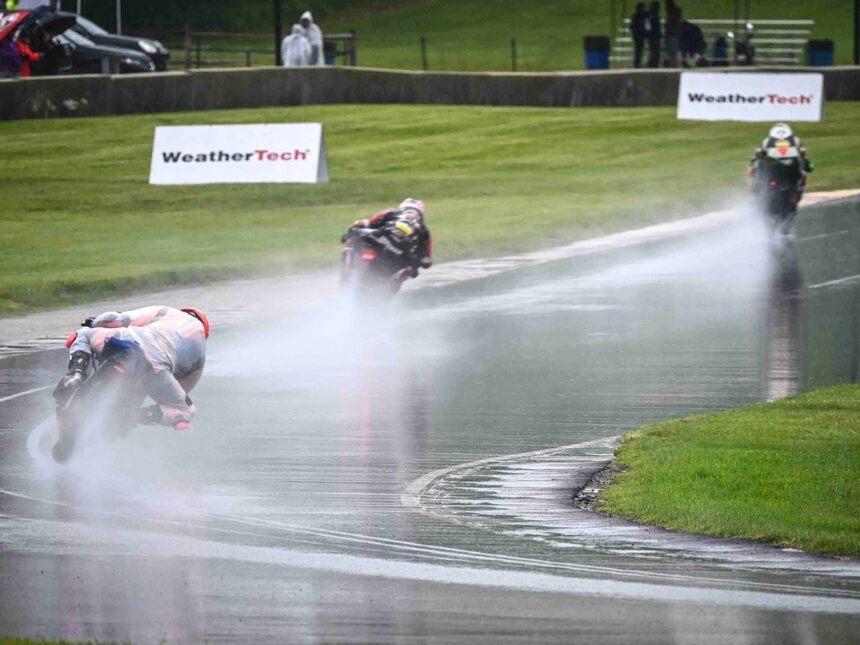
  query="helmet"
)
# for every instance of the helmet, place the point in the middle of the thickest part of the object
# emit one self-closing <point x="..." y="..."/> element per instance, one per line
<point x="412" y="204"/>
<point x="780" y="131"/>
<point x="199" y="315"/>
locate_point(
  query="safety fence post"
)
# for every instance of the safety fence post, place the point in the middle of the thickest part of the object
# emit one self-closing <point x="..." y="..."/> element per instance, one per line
<point x="277" y="16"/>
<point x="857" y="32"/>
<point x="187" y="43"/>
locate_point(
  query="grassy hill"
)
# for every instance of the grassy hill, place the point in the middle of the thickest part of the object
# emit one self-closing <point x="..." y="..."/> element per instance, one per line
<point x="469" y="34"/>
<point x="783" y="472"/>
<point x="476" y="34"/>
<point x="81" y="221"/>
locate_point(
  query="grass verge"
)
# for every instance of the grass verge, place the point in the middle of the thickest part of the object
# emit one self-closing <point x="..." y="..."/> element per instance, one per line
<point x="80" y="220"/>
<point x="783" y="472"/>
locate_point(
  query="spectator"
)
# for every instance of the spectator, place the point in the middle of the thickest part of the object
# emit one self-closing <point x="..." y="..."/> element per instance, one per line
<point x="295" y="48"/>
<point x="674" y="18"/>
<point x="27" y="55"/>
<point x="744" y="48"/>
<point x="654" y="34"/>
<point x="637" y="30"/>
<point x="314" y="35"/>
<point x="692" y="45"/>
<point x="720" y="52"/>
<point x="10" y="59"/>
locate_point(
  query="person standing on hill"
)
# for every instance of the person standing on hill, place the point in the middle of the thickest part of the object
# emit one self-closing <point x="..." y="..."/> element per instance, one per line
<point x="693" y="45"/>
<point x="295" y="48"/>
<point x="315" y="37"/>
<point x="655" y="34"/>
<point x="674" y="19"/>
<point x="27" y="54"/>
<point x="639" y="33"/>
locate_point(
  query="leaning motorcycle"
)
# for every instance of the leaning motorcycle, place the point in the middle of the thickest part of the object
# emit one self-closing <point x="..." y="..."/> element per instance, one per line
<point x="105" y="406"/>
<point x="376" y="261"/>
<point x="779" y="186"/>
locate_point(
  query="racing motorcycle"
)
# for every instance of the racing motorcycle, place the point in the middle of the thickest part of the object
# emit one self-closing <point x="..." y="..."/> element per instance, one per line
<point x="105" y="406"/>
<point x="376" y="261"/>
<point x="779" y="186"/>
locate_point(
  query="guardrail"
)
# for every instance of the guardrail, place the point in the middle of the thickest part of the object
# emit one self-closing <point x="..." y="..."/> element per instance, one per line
<point x="208" y="49"/>
<point x="776" y="42"/>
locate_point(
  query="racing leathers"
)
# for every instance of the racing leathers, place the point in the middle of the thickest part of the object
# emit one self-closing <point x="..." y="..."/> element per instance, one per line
<point x="785" y="150"/>
<point x="172" y="343"/>
<point x="410" y="223"/>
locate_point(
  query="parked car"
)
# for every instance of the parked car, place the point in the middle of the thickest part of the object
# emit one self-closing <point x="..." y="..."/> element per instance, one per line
<point x="64" y="51"/>
<point x="38" y="29"/>
<point x="87" y="57"/>
<point x="152" y="48"/>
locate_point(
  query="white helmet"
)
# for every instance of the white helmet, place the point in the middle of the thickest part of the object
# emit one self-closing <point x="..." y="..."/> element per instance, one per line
<point x="412" y="204"/>
<point x="780" y="131"/>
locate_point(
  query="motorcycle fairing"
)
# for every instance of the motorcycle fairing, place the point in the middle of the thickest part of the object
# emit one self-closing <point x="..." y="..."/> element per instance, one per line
<point x="783" y="149"/>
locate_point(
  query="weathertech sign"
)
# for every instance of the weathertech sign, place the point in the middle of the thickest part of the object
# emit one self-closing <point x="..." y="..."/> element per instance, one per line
<point x="233" y="154"/>
<point x="719" y="96"/>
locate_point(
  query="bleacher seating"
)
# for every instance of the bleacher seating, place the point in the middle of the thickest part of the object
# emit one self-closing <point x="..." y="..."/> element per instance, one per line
<point x="777" y="42"/>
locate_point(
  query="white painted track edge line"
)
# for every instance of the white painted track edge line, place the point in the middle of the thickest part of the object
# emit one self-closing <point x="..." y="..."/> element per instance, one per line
<point x="25" y="393"/>
<point x="411" y="496"/>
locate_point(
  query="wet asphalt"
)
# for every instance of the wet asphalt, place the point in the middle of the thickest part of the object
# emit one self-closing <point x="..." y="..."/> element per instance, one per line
<point x="281" y="517"/>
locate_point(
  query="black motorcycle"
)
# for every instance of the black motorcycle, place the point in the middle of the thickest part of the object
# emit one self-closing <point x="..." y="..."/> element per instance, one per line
<point x="106" y="405"/>
<point x="376" y="261"/>
<point x="779" y="186"/>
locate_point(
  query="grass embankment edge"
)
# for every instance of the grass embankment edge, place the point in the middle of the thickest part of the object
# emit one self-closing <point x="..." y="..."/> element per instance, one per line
<point x="81" y="221"/>
<point x="783" y="473"/>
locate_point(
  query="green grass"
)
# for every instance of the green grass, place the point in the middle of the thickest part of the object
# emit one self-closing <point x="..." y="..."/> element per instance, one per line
<point x="476" y="34"/>
<point x="785" y="473"/>
<point x="80" y="220"/>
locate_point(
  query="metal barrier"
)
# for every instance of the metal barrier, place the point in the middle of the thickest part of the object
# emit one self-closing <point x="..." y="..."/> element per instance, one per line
<point x="776" y="42"/>
<point x="198" y="52"/>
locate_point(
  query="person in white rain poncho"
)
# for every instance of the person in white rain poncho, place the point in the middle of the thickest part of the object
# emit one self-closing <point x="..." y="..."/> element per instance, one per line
<point x="315" y="37"/>
<point x="295" y="48"/>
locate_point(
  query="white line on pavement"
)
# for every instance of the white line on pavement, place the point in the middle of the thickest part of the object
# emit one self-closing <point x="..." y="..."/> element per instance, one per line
<point x="33" y="391"/>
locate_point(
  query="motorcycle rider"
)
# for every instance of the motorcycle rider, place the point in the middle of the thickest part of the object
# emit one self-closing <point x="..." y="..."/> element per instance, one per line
<point x="172" y="342"/>
<point x="784" y="147"/>
<point x="408" y="216"/>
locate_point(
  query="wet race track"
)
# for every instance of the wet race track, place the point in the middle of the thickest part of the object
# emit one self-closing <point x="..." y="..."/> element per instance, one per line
<point x="343" y="481"/>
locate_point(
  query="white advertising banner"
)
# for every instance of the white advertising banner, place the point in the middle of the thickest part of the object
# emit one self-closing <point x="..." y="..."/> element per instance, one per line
<point x="239" y="154"/>
<point x="717" y="96"/>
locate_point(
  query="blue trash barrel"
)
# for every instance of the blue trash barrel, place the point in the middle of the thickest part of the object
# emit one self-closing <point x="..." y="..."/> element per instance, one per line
<point x="597" y="52"/>
<point x="820" y="53"/>
<point x="329" y="52"/>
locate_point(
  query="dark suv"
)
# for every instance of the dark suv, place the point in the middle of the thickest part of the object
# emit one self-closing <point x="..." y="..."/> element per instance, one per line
<point x="152" y="48"/>
<point x="86" y="57"/>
